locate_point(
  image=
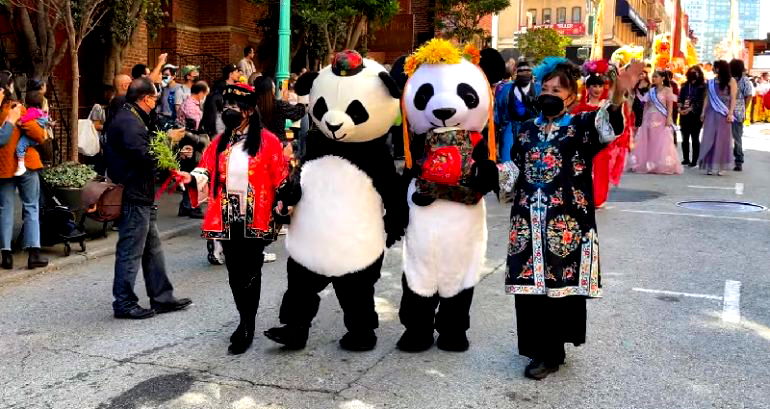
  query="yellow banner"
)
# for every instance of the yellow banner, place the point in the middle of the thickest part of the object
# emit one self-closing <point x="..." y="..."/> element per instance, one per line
<point x="597" y="45"/>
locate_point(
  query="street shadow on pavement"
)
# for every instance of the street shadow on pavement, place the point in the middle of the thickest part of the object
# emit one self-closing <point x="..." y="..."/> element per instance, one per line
<point x="153" y="391"/>
<point x="633" y="195"/>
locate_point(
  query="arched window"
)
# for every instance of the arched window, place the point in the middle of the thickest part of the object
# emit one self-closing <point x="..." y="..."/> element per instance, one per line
<point x="577" y="15"/>
<point x="561" y="15"/>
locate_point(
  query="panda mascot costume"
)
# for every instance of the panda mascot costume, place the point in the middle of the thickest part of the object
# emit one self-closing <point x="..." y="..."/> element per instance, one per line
<point x="447" y="103"/>
<point x="346" y="204"/>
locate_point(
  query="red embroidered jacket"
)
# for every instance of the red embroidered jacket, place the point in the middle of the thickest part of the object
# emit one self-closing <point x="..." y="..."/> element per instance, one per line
<point x="267" y="170"/>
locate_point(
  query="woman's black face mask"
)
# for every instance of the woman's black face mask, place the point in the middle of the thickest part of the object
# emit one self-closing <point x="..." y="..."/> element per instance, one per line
<point x="550" y="105"/>
<point x="231" y="118"/>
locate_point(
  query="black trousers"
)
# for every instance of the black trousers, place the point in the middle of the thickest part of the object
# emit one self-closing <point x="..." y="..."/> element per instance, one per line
<point x="544" y="325"/>
<point x="244" y="259"/>
<point x="355" y="292"/>
<point x="691" y="128"/>
<point x="418" y="313"/>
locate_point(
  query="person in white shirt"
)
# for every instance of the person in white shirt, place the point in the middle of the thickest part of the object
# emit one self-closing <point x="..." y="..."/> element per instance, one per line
<point x="246" y="65"/>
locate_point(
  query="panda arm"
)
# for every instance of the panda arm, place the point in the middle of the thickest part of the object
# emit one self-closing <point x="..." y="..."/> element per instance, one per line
<point x="388" y="184"/>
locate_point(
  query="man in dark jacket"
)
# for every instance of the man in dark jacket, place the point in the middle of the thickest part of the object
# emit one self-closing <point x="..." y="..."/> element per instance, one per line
<point x="131" y="165"/>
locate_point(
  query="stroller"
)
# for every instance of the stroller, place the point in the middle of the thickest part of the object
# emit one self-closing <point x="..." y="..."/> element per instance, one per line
<point x="57" y="222"/>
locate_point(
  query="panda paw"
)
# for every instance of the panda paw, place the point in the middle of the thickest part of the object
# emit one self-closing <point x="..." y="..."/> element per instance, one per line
<point x="484" y="177"/>
<point x="421" y="199"/>
<point x="290" y="192"/>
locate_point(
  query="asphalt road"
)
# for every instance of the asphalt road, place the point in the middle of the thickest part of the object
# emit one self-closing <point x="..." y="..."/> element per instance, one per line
<point x="658" y="339"/>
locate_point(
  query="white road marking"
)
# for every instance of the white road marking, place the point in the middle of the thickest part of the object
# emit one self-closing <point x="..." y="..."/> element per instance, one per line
<point x="731" y="308"/>
<point x="709" y="187"/>
<point x="706" y="216"/>
<point x="678" y="294"/>
<point x="738" y="188"/>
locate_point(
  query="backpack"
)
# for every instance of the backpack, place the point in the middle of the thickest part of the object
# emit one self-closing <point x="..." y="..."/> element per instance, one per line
<point x="103" y="200"/>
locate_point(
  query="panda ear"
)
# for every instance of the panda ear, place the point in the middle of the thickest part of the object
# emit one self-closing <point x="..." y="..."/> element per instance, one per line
<point x="304" y="83"/>
<point x="390" y="84"/>
<point x="493" y="65"/>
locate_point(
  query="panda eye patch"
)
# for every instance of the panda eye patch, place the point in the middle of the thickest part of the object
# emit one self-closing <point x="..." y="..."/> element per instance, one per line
<point x="320" y="108"/>
<point x="468" y="94"/>
<point x="423" y="95"/>
<point x="357" y="112"/>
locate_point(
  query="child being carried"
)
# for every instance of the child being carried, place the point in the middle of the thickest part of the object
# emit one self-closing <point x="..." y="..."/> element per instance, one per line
<point x="34" y="101"/>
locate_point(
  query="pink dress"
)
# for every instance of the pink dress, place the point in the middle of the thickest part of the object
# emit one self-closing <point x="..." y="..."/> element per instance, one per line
<point x="654" y="150"/>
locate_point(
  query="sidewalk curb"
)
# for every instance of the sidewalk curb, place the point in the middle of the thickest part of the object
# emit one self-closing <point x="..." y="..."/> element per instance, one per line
<point x="77" y="258"/>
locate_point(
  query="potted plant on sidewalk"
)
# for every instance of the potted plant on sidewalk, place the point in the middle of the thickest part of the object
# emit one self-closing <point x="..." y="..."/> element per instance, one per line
<point x="67" y="181"/>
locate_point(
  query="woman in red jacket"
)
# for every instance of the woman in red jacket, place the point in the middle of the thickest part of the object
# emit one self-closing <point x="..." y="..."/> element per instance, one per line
<point x="239" y="174"/>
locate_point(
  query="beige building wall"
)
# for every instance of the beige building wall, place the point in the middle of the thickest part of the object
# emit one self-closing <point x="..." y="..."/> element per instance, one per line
<point x="616" y="32"/>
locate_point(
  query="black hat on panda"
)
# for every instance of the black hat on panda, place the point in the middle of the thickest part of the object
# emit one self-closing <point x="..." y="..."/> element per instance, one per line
<point x="240" y="93"/>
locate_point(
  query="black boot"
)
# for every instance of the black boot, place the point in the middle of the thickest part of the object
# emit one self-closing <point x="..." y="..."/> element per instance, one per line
<point x="294" y="338"/>
<point x="241" y="339"/>
<point x="35" y="259"/>
<point x="538" y="369"/>
<point x="359" y="341"/>
<point x="415" y="341"/>
<point x="453" y="342"/>
<point x="7" y="259"/>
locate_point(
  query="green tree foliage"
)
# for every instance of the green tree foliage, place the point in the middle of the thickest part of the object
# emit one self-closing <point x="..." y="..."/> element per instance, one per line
<point x="119" y="26"/>
<point x="538" y="43"/>
<point x="327" y="26"/>
<point x="460" y="18"/>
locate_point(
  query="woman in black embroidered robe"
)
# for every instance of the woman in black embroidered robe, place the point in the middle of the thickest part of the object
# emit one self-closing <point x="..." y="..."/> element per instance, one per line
<point x="553" y="251"/>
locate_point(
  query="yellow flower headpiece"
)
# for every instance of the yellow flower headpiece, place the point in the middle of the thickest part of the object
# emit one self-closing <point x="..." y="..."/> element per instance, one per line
<point x="440" y="51"/>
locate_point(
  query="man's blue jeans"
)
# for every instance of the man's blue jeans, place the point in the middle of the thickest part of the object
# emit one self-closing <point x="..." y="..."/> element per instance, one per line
<point x="139" y="245"/>
<point x="29" y="190"/>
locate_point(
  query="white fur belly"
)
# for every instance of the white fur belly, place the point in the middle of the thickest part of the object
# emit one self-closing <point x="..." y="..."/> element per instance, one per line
<point x="444" y="247"/>
<point x="337" y="226"/>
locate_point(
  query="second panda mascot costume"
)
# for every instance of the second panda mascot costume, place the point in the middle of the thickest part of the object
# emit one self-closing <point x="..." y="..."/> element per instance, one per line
<point x="447" y="103"/>
<point x="346" y="202"/>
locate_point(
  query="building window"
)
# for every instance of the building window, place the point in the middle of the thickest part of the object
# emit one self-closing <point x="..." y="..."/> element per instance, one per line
<point x="561" y="15"/>
<point x="532" y="14"/>
<point x="546" y="16"/>
<point x="577" y="15"/>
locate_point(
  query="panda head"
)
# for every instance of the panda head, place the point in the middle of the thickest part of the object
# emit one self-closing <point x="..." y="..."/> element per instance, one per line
<point x="446" y="88"/>
<point x="352" y="100"/>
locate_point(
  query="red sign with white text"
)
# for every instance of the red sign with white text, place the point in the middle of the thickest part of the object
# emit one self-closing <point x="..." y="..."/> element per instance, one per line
<point x="567" y="29"/>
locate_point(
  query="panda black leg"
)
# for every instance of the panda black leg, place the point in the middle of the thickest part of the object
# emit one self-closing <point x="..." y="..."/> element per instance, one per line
<point x="355" y="293"/>
<point x="453" y="320"/>
<point x="299" y="306"/>
<point x="417" y="314"/>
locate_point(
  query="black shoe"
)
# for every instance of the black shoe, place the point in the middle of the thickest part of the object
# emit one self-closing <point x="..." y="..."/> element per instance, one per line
<point x="183" y="212"/>
<point x="176" y="305"/>
<point x="290" y="337"/>
<point x="686" y="162"/>
<point x="35" y="259"/>
<point x="241" y="342"/>
<point x="453" y="342"/>
<point x="7" y="260"/>
<point x="693" y="164"/>
<point x="538" y="370"/>
<point x="415" y="341"/>
<point x="195" y="214"/>
<point x="135" y="313"/>
<point x="738" y="167"/>
<point x="359" y="342"/>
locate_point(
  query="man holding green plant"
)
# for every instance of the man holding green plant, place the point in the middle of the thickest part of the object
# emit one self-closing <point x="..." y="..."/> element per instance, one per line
<point x="132" y="164"/>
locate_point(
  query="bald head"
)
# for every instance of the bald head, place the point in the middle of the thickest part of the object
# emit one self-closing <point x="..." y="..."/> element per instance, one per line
<point x="122" y="81"/>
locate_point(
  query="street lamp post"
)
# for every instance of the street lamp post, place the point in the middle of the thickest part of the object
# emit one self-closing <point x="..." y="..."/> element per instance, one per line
<point x="284" y="33"/>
